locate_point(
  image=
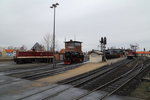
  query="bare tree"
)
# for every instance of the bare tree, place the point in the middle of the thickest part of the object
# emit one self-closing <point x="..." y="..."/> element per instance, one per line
<point x="48" y="42"/>
<point x="134" y="47"/>
<point x="10" y="47"/>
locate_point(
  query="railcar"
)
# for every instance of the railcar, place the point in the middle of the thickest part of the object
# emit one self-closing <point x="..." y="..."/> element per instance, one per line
<point x="111" y="56"/>
<point x="131" y="54"/>
<point x="33" y="56"/>
<point x="73" y="57"/>
<point x="114" y="53"/>
<point x="143" y="53"/>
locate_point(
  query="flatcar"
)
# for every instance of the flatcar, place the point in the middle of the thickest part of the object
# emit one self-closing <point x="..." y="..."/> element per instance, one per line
<point x="73" y="57"/>
<point x="33" y="56"/>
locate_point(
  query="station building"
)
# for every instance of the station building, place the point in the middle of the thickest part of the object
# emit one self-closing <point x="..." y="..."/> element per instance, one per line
<point x="95" y="56"/>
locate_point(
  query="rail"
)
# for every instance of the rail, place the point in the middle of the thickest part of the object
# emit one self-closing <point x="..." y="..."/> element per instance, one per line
<point x="67" y="83"/>
<point x="112" y="81"/>
<point x="94" y="75"/>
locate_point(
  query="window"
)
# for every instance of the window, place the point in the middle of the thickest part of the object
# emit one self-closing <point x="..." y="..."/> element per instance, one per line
<point x="77" y="44"/>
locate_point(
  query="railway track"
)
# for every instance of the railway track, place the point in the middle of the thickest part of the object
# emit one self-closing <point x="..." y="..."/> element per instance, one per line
<point x="43" y="72"/>
<point x="102" y="79"/>
<point x="13" y="67"/>
<point x="51" y="72"/>
<point x="33" y="75"/>
<point x="116" y="84"/>
<point x="17" y="71"/>
<point x="110" y="87"/>
<point x="101" y="72"/>
<point x="81" y="79"/>
<point x="87" y="78"/>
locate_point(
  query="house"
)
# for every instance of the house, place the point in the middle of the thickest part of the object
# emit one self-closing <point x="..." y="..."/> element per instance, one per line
<point x="95" y="56"/>
<point x="8" y="52"/>
<point x="37" y="47"/>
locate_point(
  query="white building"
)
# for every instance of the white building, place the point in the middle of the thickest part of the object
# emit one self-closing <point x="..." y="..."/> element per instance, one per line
<point x="95" y="56"/>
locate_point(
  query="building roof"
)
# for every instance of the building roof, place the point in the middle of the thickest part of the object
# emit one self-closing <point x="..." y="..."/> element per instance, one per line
<point x="96" y="51"/>
<point x="73" y="41"/>
<point x="37" y="47"/>
<point x="9" y="50"/>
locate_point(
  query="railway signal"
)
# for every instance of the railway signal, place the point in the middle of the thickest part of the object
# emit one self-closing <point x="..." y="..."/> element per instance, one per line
<point x="105" y="40"/>
<point x="103" y="43"/>
<point x="102" y="40"/>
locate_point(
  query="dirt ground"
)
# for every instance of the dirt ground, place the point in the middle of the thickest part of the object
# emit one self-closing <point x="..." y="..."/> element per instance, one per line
<point x="143" y="90"/>
<point x="77" y="71"/>
<point x="5" y="59"/>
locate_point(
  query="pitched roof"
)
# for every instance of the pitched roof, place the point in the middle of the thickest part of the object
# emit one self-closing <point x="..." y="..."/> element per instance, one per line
<point x="96" y="51"/>
<point x="37" y="47"/>
<point x="9" y="50"/>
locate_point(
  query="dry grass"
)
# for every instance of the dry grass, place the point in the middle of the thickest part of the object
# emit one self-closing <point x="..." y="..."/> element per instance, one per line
<point x="142" y="91"/>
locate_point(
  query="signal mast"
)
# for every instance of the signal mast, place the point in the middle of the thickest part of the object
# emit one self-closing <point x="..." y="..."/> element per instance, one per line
<point x="103" y="43"/>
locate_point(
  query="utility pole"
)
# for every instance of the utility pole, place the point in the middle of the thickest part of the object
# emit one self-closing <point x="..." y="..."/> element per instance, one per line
<point x="54" y="7"/>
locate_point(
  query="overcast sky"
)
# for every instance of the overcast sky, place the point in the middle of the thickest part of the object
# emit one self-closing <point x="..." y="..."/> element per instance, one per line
<point x="123" y="22"/>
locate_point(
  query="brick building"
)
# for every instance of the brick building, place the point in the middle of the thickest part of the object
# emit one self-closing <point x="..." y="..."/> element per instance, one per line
<point x="73" y="46"/>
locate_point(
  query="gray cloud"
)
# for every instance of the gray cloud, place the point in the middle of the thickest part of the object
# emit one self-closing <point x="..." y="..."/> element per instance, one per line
<point x="122" y="21"/>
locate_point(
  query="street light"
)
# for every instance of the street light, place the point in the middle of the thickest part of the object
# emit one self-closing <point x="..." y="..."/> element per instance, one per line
<point x="54" y="6"/>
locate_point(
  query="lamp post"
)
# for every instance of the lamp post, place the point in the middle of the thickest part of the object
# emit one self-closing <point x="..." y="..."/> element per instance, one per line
<point x="54" y="7"/>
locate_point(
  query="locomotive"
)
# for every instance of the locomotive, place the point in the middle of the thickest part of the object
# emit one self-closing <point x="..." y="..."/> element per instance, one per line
<point x="131" y="54"/>
<point x="73" y="52"/>
<point x="33" y="56"/>
<point x="73" y="57"/>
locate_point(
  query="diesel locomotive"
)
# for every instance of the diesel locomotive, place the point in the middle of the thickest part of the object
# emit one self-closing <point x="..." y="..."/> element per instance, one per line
<point x="33" y="56"/>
